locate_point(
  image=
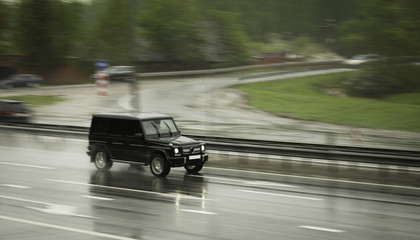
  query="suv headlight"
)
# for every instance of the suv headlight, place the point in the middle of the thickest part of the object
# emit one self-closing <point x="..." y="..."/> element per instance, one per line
<point x="203" y="148"/>
<point x="176" y="151"/>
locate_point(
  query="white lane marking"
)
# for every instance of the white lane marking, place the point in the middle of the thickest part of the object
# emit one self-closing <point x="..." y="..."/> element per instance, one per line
<point x="51" y="208"/>
<point x="271" y="184"/>
<point x="26" y="165"/>
<point x="29" y="149"/>
<point x="98" y="198"/>
<point x="42" y="151"/>
<point x="318" y="178"/>
<point x="281" y="195"/>
<point x="58" y="209"/>
<point x="171" y="195"/>
<point x="15" y="186"/>
<point x="69" y="229"/>
<point x="23" y="200"/>
<point x="322" y="229"/>
<point x="261" y="183"/>
<point x="199" y="212"/>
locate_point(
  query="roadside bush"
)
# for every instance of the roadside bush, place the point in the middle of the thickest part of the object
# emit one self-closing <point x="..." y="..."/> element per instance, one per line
<point x="381" y="79"/>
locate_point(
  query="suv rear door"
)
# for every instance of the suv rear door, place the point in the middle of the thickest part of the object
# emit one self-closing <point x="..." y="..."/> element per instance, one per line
<point x="116" y="139"/>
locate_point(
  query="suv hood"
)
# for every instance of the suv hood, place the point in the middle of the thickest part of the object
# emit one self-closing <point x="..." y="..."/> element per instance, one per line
<point x="178" y="140"/>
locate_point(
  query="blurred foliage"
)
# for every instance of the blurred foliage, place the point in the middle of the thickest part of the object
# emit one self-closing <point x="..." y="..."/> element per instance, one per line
<point x="172" y="28"/>
<point x="383" y="78"/>
<point x="232" y="42"/>
<point x="392" y="30"/>
<point x="112" y="35"/>
<point x="6" y="29"/>
<point x="46" y="30"/>
<point x="386" y="27"/>
<point x="189" y="32"/>
<point x="306" y="46"/>
<point x="291" y="18"/>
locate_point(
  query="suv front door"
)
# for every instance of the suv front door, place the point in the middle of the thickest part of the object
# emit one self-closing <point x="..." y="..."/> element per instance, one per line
<point x="135" y="143"/>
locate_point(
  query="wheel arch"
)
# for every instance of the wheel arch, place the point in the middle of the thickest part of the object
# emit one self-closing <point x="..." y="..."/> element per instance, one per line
<point x="162" y="153"/>
<point x="95" y="147"/>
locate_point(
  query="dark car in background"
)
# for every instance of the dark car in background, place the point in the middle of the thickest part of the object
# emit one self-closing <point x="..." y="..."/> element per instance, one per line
<point x="21" y="80"/>
<point x="14" y="111"/>
<point x="121" y="73"/>
<point x="118" y="74"/>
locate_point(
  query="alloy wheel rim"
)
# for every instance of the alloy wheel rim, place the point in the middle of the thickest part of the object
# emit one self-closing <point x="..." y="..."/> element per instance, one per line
<point x="157" y="165"/>
<point x="100" y="159"/>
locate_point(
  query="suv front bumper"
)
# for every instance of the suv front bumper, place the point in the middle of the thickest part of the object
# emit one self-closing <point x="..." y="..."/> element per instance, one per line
<point x="186" y="161"/>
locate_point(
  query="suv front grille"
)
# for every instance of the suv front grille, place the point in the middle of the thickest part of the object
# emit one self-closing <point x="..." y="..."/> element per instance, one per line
<point x="191" y="150"/>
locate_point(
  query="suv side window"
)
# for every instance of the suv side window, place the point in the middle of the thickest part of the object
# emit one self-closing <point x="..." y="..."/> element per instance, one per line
<point x="149" y="129"/>
<point x="117" y="127"/>
<point x="99" y="125"/>
<point x="132" y="127"/>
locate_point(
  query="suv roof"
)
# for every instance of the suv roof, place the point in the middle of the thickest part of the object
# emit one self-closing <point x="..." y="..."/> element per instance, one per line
<point x="139" y="116"/>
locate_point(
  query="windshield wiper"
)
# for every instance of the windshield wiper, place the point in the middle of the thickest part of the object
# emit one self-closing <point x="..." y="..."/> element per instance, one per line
<point x="157" y="129"/>
<point x="170" y="132"/>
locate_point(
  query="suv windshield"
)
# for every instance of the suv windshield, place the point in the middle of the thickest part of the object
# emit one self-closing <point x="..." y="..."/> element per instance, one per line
<point x="159" y="128"/>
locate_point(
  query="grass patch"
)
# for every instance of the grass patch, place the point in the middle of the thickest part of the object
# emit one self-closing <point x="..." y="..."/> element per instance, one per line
<point x="305" y="98"/>
<point x="36" y="101"/>
<point x="407" y="98"/>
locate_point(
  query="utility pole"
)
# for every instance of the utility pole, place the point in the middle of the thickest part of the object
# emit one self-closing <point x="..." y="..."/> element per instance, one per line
<point x="134" y="84"/>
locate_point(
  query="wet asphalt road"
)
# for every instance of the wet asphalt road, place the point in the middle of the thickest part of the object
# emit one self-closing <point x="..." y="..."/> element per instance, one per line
<point x="50" y="190"/>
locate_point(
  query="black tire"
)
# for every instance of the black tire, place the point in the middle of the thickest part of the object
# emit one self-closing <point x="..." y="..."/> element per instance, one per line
<point x="194" y="168"/>
<point x="159" y="166"/>
<point x="102" y="160"/>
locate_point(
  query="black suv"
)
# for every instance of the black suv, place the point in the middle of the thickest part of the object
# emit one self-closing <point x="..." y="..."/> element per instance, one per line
<point x="143" y="138"/>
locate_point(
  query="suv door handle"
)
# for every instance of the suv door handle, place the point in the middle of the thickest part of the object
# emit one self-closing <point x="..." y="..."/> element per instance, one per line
<point x="117" y="143"/>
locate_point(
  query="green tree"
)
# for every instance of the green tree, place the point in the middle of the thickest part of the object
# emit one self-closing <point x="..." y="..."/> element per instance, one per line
<point x="386" y="27"/>
<point x="111" y="35"/>
<point x="46" y="30"/>
<point x="6" y="28"/>
<point x="232" y="43"/>
<point x="172" y="29"/>
<point x="390" y="28"/>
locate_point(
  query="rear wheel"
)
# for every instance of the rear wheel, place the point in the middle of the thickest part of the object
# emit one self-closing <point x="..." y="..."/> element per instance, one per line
<point x="102" y="161"/>
<point x="159" y="166"/>
<point x="194" y="168"/>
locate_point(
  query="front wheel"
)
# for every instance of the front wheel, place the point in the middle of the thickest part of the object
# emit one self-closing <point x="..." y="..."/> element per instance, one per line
<point x="159" y="166"/>
<point x="102" y="161"/>
<point x="194" y="168"/>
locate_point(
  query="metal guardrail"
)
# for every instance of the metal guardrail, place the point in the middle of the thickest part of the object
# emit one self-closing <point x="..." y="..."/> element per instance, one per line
<point x="237" y="69"/>
<point x="353" y="154"/>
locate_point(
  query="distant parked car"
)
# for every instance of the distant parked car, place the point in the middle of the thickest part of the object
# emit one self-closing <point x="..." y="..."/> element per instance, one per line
<point x="14" y="111"/>
<point x="118" y="74"/>
<point x="121" y="73"/>
<point x="21" y="80"/>
<point x="361" y="59"/>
